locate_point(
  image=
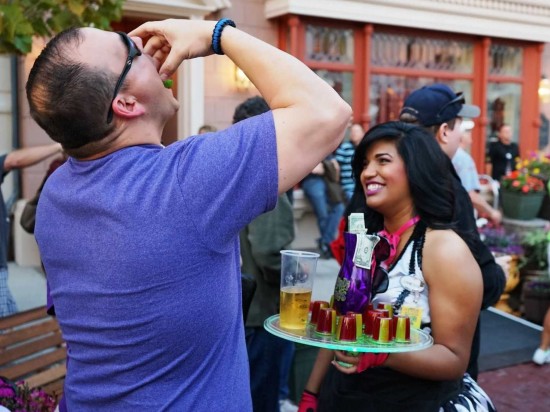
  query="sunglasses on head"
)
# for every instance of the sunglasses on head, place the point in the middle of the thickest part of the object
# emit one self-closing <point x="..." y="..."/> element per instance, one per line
<point x="458" y="99"/>
<point x="133" y="51"/>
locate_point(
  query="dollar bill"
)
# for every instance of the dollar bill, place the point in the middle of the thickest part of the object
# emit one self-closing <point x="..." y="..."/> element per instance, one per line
<point x="364" y="250"/>
<point x="356" y="223"/>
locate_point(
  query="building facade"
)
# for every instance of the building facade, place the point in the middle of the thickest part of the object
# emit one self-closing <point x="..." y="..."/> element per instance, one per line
<point x="373" y="52"/>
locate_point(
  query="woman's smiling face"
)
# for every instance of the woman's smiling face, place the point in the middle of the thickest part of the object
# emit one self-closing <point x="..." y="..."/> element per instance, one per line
<point x="384" y="178"/>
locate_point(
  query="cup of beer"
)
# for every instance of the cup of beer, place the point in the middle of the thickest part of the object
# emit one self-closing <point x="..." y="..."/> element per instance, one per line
<point x="297" y="272"/>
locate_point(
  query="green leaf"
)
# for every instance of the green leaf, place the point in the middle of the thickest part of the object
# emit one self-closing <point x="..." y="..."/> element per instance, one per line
<point x="23" y="43"/>
<point x="76" y="7"/>
<point x="20" y="20"/>
<point x="41" y="28"/>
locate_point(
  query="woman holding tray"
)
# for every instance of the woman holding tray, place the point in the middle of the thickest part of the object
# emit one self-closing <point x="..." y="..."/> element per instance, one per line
<point x="399" y="170"/>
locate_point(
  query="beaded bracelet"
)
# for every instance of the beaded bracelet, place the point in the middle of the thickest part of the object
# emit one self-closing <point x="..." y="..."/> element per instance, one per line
<point x="217" y="34"/>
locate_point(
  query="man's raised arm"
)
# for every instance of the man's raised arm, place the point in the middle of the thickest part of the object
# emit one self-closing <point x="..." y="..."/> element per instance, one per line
<point x="310" y="117"/>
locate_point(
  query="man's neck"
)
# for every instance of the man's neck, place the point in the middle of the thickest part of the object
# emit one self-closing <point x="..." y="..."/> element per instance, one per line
<point x="128" y="134"/>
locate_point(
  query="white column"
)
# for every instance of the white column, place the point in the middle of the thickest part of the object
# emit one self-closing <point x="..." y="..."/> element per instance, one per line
<point x="6" y="110"/>
<point x="191" y="90"/>
<point x="191" y="95"/>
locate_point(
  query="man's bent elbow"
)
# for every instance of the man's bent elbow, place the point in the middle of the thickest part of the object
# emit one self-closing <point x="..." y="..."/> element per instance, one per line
<point x="334" y="121"/>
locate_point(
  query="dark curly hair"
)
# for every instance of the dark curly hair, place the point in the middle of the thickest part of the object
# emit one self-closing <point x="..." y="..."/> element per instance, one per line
<point x="250" y="107"/>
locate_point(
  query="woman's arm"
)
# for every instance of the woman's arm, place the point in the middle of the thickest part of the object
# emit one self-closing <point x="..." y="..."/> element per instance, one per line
<point x="320" y="367"/>
<point x="455" y="290"/>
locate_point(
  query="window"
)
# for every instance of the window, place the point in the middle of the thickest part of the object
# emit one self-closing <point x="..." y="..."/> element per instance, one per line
<point x="423" y="53"/>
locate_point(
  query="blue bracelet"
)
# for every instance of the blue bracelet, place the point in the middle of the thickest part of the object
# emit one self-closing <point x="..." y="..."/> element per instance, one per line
<point x="217" y="34"/>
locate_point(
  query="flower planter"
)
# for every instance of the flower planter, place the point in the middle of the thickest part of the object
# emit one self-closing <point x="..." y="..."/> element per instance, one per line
<point x="536" y="299"/>
<point x="521" y="206"/>
<point x="544" y="212"/>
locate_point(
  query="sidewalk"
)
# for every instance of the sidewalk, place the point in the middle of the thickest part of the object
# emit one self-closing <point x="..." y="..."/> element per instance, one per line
<point x="520" y="388"/>
<point x="27" y="285"/>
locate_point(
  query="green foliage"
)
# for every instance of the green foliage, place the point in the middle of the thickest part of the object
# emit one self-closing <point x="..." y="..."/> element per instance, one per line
<point x="535" y="244"/>
<point x="20" y="20"/>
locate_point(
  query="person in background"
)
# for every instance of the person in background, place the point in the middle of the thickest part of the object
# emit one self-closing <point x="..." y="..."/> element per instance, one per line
<point x="141" y="242"/>
<point x="467" y="172"/>
<point x="440" y="110"/>
<point x="344" y="156"/>
<point x="261" y="243"/>
<point x="328" y="211"/>
<point x="502" y="154"/>
<point x="206" y="128"/>
<point x="17" y="159"/>
<point x="542" y="354"/>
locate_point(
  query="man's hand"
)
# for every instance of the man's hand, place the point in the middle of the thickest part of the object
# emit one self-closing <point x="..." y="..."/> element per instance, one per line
<point x="495" y="217"/>
<point x="171" y="41"/>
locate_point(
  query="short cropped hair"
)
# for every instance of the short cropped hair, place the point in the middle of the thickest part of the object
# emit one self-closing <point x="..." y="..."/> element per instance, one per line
<point x="412" y="119"/>
<point x="250" y="107"/>
<point x="427" y="168"/>
<point x="68" y="99"/>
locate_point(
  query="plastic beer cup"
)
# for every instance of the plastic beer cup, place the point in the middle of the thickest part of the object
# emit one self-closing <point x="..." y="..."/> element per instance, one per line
<point x="297" y="272"/>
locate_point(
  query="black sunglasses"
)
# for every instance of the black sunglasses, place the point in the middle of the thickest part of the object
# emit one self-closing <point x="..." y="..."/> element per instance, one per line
<point x="458" y="99"/>
<point x="380" y="280"/>
<point x="133" y="51"/>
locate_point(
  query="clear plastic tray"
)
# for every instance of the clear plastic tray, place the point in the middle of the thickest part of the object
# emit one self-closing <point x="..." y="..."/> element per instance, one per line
<point x="419" y="339"/>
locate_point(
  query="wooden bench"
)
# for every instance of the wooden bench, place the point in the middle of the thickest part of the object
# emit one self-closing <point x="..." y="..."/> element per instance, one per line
<point x="32" y="349"/>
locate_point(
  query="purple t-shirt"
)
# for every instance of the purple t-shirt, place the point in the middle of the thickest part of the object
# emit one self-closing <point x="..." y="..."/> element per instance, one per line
<point x="142" y="256"/>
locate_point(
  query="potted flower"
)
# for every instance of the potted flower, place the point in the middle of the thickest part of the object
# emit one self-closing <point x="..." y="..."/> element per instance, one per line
<point x="522" y="195"/>
<point x="536" y="244"/>
<point x="535" y="263"/>
<point x="507" y="249"/>
<point x="500" y="242"/>
<point x="536" y="298"/>
<point x="18" y="397"/>
<point x="538" y="165"/>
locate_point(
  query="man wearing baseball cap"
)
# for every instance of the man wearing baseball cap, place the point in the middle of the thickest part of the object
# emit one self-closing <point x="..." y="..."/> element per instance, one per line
<point x="440" y="110"/>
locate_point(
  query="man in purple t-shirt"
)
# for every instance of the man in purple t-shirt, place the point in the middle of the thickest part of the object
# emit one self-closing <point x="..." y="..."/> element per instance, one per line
<point x="140" y="242"/>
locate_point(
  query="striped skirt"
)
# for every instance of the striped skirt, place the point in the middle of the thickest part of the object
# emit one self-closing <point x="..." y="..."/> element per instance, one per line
<point x="472" y="399"/>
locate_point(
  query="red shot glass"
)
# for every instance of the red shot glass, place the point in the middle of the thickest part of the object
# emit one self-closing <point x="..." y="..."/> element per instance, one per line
<point x="326" y="322"/>
<point x="383" y="330"/>
<point x="385" y="305"/>
<point x="316" y="307"/>
<point x="371" y="317"/>
<point x="402" y="328"/>
<point x="348" y="330"/>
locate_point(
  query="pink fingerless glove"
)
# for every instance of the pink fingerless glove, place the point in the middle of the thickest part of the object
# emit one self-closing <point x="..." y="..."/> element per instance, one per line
<point x="370" y="360"/>
<point x="308" y="403"/>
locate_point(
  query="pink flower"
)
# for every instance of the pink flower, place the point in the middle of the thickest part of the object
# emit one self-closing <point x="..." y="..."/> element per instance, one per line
<point x="6" y="392"/>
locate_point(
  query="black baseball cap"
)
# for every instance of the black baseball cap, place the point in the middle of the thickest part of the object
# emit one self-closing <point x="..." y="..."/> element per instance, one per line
<point x="437" y="104"/>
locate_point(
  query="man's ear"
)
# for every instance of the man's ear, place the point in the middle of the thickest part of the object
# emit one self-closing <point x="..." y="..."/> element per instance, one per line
<point x="442" y="134"/>
<point x="127" y="107"/>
